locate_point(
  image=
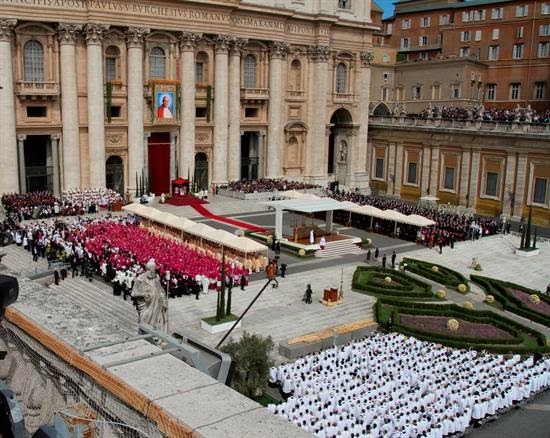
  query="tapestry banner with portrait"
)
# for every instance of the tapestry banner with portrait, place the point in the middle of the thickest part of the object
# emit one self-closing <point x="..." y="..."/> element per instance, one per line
<point x="164" y="97"/>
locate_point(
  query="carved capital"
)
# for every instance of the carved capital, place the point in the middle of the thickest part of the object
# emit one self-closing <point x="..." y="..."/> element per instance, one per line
<point x="54" y="137"/>
<point x="67" y="32"/>
<point x="278" y="49"/>
<point x="319" y="53"/>
<point x="237" y="45"/>
<point x="95" y="32"/>
<point x="366" y="58"/>
<point x="135" y="36"/>
<point x="21" y="137"/>
<point x="6" y="28"/>
<point x="222" y="43"/>
<point x="189" y="41"/>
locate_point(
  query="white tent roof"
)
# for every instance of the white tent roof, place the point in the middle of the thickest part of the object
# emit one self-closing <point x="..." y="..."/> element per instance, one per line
<point x="421" y="221"/>
<point x="200" y="230"/>
<point x="220" y="236"/>
<point x="131" y="208"/>
<point x="181" y="223"/>
<point x="393" y="215"/>
<point x="246" y="245"/>
<point x="292" y="194"/>
<point x="368" y="210"/>
<point x="308" y="204"/>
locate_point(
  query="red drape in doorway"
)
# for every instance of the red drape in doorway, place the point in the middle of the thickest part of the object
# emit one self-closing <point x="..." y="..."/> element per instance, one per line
<point x="159" y="162"/>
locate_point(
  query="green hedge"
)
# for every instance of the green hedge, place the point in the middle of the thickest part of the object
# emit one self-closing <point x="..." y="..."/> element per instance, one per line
<point x="444" y="276"/>
<point x="408" y="287"/>
<point x="525" y="340"/>
<point x="509" y="302"/>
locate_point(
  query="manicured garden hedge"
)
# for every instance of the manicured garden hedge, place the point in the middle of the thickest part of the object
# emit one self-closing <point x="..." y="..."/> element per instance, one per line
<point x="509" y="302"/>
<point x="370" y="279"/>
<point x="444" y="275"/>
<point x="525" y="340"/>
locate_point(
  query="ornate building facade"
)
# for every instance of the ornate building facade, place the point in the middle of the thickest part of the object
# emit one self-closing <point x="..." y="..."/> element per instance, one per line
<point x="100" y="93"/>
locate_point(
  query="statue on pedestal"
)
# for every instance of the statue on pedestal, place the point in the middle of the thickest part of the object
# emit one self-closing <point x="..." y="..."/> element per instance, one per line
<point x="151" y="299"/>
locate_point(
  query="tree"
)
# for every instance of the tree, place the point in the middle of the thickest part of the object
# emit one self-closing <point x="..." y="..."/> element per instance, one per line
<point x="250" y="355"/>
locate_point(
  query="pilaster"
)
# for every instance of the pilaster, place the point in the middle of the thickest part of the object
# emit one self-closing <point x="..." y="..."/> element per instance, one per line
<point x="96" y="107"/>
<point x="9" y="181"/>
<point x="508" y="198"/>
<point x="474" y="179"/>
<point x="22" y="171"/>
<point x="67" y="34"/>
<point x="434" y="170"/>
<point x="521" y="179"/>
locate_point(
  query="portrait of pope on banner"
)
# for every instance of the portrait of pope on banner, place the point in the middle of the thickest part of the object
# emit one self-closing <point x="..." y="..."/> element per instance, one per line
<point x="165" y="104"/>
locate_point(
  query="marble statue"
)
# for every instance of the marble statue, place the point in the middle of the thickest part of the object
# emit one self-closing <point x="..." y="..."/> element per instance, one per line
<point x="151" y="298"/>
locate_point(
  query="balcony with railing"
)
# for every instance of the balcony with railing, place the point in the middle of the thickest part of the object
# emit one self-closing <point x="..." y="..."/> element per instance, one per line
<point x="37" y="90"/>
<point x="342" y="97"/>
<point x="295" y="94"/>
<point x="255" y="94"/>
<point x="485" y="126"/>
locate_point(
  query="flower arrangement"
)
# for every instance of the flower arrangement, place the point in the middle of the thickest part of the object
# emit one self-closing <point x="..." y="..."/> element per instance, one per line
<point x="269" y="240"/>
<point x="435" y="269"/>
<point x="534" y="298"/>
<point x="462" y="288"/>
<point x="453" y="325"/>
<point x="441" y="293"/>
<point x="239" y="233"/>
<point x="302" y="252"/>
<point x="387" y="280"/>
<point x="489" y="299"/>
<point x="468" y="305"/>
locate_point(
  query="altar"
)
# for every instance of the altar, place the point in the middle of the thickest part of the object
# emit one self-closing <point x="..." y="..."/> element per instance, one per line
<point x="180" y="187"/>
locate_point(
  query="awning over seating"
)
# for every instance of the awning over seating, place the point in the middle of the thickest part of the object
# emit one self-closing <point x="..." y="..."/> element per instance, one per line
<point x="246" y="245"/>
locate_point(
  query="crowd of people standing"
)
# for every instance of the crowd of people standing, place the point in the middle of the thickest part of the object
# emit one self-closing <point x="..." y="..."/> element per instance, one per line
<point x="266" y="185"/>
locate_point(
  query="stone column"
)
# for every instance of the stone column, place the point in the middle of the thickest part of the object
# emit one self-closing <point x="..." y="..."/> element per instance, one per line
<point x="425" y="171"/>
<point x="96" y="104"/>
<point x="219" y="168"/>
<point x="317" y="107"/>
<point x="509" y="184"/>
<point x="145" y="153"/>
<point x="188" y="43"/>
<point x="69" y="105"/>
<point x="361" y="164"/>
<point x="22" y="173"/>
<point x="474" y="178"/>
<point x="260" y="140"/>
<point x="234" y="149"/>
<point x="275" y="128"/>
<point x="54" y="140"/>
<point x="464" y="178"/>
<point x="9" y="181"/>
<point x="172" y="156"/>
<point x="391" y="168"/>
<point x="519" y="195"/>
<point x="434" y="171"/>
<point x="136" y="153"/>
<point x="398" y="169"/>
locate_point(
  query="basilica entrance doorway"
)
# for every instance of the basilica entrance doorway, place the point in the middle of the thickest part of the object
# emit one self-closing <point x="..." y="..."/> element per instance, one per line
<point x="114" y="171"/>
<point x="159" y="162"/>
<point x="201" y="171"/>
<point x="249" y="155"/>
<point x="338" y="148"/>
<point x="38" y="163"/>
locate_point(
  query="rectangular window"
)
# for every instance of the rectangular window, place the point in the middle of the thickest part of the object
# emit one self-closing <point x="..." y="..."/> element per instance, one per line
<point x="539" y="190"/>
<point x="406" y="23"/>
<point x="449" y="182"/>
<point x="464" y="36"/>
<point x="515" y="91"/>
<point x="477" y="36"/>
<point x="544" y="49"/>
<point x="544" y="29"/>
<point x="495" y="34"/>
<point x="497" y="13"/>
<point x="423" y="41"/>
<point x="521" y="11"/>
<point x="199" y="72"/>
<point x="416" y="92"/>
<point x="411" y="174"/>
<point x="344" y="4"/>
<point x="110" y="69"/>
<point x="423" y="56"/>
<point x="379" y="172"/>
<point x="464" y="51"/>
<point x="200" y="112"/>
<point x="37" y="111"/>
<point x="455" y="91"/>
<point x="491" y="183"/>
<point x="517" y="51"/>
<point x="116" y="111"/>
<point x="519" y="32"/>
<point x="491" y="91"/>
<point x="545" y="9"/>
<point x="466" y="16"/>
<point x="425" y="22"/>
<point x="385" y="94"/>
<point x="389" y="28"/>
<point x="251" y="112"/>
<point x="493" y="53"/>
<point x="443" y="20"/>
<point x="540" y="90"/>
<point x="405" y="43"/>
<point x="479" y="15"/>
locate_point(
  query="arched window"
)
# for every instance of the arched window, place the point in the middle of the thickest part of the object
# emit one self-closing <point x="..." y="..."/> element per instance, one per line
<point x="112" y="69"/>
<point x="33" y="62"/>
<point x="341" y="73"/>
<point x="296" y="75"/>
<point x="157" y="63"/>
<point x="201" y="68"/>
<point x="249" y="71"/>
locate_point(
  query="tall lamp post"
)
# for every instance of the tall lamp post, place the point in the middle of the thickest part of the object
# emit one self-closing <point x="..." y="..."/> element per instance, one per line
<point x="167" y="277"/>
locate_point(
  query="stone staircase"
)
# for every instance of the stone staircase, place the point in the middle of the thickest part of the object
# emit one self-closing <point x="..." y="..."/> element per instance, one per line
<point x="97" y="297"/>
<point x="339" y="248"/>
<point x="19" y="261"/>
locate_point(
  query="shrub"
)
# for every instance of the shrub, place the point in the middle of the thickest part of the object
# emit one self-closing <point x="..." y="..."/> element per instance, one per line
<point x="534" y="298"/>
<point x="435" y="269"/>
<point x="490" y="299"/>
<point x="435" y="272"/>
<point x="302" y="252"/>
<point x="387" y="280"/>
<point x="462" y="288"/>
<point x="468" y="305"/>
<point x="441" y="294"/>
<point x="453" y="325"/>
<point x="250" y="355"/>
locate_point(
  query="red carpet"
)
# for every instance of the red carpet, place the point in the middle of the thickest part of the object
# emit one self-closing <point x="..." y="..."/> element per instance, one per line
<point x="181" y="201"/>
<point x="239" y="224"/>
